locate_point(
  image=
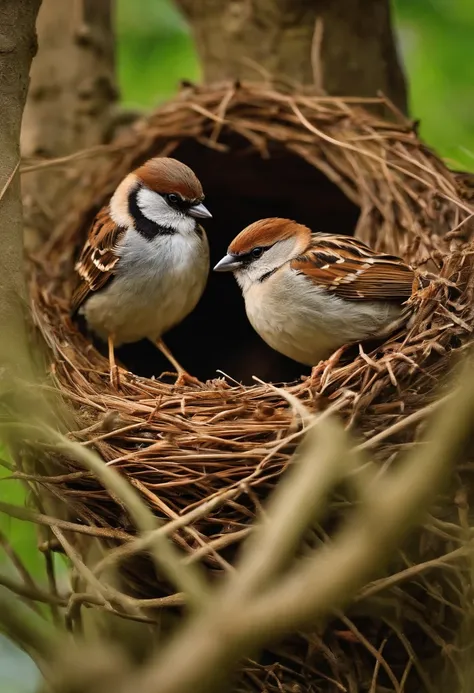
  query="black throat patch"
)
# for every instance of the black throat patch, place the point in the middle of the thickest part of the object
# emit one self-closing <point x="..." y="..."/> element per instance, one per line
<point x="145" y="226"/>
<point x="268" y="274"/>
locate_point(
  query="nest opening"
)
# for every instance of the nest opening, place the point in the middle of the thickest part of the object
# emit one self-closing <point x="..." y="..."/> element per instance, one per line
<point x="241" y="186"/>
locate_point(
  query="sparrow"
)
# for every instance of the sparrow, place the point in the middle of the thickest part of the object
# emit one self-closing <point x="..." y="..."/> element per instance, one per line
<point x="145" y="262"/>
<point x="310" y="294"/>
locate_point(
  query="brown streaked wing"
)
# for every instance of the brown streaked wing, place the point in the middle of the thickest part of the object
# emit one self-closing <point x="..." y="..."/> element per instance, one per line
<point x="97" y="261"/>
<point x="352" y="270"/>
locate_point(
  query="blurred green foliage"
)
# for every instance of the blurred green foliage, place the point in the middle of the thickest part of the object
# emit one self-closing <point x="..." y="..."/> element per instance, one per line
<point x="154" y="51"/>
<point x="17" y="672"/>
<point x="436" y="43"/>
<point x="21" y="535"/>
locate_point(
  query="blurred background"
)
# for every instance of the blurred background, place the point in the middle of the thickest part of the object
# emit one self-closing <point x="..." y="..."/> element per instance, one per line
<point x="436" y="39"/>
<point x="154" y="51"/>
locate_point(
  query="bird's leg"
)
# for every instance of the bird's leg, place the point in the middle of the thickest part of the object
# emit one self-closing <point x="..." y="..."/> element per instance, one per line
<point x="183" y="376"/>
<point x="325" y="367"/>
<point x="113" y="368"/>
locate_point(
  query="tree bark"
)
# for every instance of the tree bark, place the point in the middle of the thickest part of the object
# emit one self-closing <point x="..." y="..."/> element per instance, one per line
<point x="71" y="101"/>
<point x="17" y="48"/>
<point x="346" y="47"/>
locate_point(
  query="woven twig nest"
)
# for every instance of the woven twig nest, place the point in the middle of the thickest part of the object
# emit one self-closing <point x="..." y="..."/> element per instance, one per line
<point x="330" y="164"/>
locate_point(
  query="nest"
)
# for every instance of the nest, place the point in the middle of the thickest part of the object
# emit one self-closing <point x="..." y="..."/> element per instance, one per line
<point x="329" y="163"/>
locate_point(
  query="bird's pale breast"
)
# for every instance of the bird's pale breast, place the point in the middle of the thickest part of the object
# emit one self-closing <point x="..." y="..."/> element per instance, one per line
<point x="158" y="283"/>
<point x="307" y="323"/>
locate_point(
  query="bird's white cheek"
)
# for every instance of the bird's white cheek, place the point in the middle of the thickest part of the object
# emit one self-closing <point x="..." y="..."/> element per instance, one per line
<point x="156" y="208"/>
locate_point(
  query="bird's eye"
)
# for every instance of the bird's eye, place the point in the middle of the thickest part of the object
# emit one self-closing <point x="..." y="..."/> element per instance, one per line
<point x="173" y="198"/>
<point x="256" y="252"/>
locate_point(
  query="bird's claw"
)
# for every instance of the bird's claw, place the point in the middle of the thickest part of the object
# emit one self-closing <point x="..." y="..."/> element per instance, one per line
<point x="185" y="378"/>
<point x="324" y="368"/>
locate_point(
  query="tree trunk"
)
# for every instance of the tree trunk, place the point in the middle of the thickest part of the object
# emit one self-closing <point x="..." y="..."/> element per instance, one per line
<point x="17" y="48"/>
<point x="70" y="103"/>
<point x="345" y="47"/>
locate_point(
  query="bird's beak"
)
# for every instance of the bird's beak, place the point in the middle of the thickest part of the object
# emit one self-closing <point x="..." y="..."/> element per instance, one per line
<point x="200" y="211"/>
<point x="229" y="263"/>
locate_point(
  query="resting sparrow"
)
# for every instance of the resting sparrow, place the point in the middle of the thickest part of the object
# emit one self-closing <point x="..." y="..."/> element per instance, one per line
<point x="308" y="294"/>
<point x="145" y="262"/>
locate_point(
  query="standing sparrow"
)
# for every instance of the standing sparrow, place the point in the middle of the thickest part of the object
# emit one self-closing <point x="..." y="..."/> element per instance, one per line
<point x="145" y="262"/>
<point x="308" y="294"/>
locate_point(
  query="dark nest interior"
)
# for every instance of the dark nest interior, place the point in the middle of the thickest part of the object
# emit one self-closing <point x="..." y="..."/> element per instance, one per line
<point x="330" y="164"/>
